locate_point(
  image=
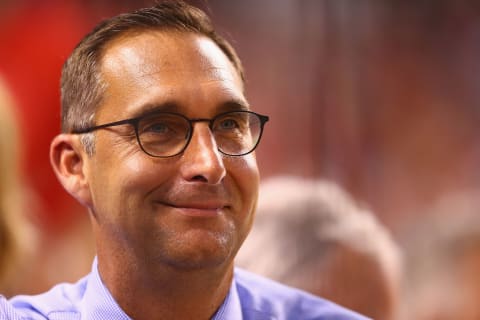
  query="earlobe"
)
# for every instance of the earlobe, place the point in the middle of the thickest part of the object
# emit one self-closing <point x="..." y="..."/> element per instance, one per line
<point x="68" y="159"/>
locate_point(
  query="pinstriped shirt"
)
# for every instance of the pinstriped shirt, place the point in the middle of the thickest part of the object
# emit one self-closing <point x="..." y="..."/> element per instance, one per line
<point x="250" y="297"/>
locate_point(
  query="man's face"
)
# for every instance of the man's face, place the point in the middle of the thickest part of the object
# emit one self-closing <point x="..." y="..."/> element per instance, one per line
<point x="189" y="211"/>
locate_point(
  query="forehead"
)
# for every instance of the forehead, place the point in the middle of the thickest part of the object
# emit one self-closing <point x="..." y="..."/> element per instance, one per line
<point x="151" y="67"/>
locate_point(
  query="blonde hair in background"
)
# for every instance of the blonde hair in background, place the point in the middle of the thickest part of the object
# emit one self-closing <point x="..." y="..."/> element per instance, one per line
<point x="16" y="232"/>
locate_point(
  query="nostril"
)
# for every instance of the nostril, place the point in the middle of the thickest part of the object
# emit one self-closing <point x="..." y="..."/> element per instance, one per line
<point x="200" y="178"/>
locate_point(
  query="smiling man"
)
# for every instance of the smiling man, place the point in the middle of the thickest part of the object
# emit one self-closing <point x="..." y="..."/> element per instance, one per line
<point x="158" y="140"/>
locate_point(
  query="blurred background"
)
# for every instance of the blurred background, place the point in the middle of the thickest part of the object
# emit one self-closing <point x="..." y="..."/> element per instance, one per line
<point x="381" y="97"/>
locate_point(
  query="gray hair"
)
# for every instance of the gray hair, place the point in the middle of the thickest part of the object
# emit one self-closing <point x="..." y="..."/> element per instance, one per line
<point x="301" y="225"/>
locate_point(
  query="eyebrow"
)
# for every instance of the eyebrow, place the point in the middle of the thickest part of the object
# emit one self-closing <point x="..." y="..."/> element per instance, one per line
<point x="174" y="107"/>
<point x="233" y="105"/>
<point x="151" y="108"/>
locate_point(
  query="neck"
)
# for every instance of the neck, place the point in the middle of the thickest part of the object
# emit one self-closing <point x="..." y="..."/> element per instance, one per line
<point x="167" y="293"/>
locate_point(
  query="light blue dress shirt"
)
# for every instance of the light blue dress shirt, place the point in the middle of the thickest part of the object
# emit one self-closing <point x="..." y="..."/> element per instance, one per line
<point x="251" y="297"/>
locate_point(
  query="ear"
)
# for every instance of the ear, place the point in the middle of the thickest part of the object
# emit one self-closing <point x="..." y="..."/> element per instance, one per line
<point x="70" y="163"/>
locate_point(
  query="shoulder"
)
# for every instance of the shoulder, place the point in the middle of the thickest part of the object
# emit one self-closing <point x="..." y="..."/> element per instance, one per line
<point x="60" y="302"/>
<point x="266" y="299"/>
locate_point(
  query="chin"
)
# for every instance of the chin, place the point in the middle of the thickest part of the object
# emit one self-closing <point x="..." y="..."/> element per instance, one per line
<point x="198" y="261"/>
<point x="200" y="251"/>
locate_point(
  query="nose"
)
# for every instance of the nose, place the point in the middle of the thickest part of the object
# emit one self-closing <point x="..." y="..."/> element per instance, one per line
<point x="201" y="159"/>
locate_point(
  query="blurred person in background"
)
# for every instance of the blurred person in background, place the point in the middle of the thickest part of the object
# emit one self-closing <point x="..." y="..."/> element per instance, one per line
<point x="442" y="261"/>
<point x="17" y="233"/>
<point x="35" y="38"/>
<point x="312" y="235"/>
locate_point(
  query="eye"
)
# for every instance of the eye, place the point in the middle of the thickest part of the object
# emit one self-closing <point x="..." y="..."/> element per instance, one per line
<point x="163" y="126"/>
<point x="232" y="123"/>
<point x="158" y="127"/>
<point x="228" y="124"/>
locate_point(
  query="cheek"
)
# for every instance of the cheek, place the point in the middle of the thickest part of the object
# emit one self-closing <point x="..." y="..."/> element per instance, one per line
<point x="133" y="165"/>
<point x="128" y="178"/>
<point x="252" y="176"/>
<point x="141" y="175"/>
<point x="244" y="173"/>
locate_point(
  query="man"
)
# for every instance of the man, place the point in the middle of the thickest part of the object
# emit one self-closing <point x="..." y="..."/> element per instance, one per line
<point x="157" y="143"/>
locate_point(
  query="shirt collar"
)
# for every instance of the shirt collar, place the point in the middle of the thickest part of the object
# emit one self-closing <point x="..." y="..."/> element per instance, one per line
<point x="231" y="308"/>
<point x="100" y="304"/>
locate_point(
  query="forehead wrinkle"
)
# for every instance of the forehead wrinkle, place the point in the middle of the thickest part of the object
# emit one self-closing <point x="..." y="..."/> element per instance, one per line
<point x="223" y="73"/>
<point x="206" y="73"/>
<point x="229" y="91"/>
<point x="127" y="60"/>
<point x="217" y="77"/>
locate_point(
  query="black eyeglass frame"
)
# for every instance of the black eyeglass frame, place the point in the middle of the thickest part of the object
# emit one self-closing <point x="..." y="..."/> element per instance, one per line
<point x="136" y="120"/>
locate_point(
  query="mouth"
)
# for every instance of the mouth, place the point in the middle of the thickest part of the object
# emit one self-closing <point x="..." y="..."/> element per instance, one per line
<point x="200" y="210"/>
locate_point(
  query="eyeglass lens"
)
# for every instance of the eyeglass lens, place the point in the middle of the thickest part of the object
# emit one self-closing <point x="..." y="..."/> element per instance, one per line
<point x="164" y="135"/>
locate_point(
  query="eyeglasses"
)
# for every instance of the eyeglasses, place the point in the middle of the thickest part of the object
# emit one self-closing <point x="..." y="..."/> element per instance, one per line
<point x="166" y="134"/>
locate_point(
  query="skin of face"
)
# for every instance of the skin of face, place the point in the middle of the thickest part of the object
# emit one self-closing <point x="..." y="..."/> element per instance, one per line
<point x="187" y="212"/>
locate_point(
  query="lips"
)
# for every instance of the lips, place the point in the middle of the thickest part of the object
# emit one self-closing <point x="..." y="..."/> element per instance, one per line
<point x="204" y="201"/>
<point x="206" y="208"/>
